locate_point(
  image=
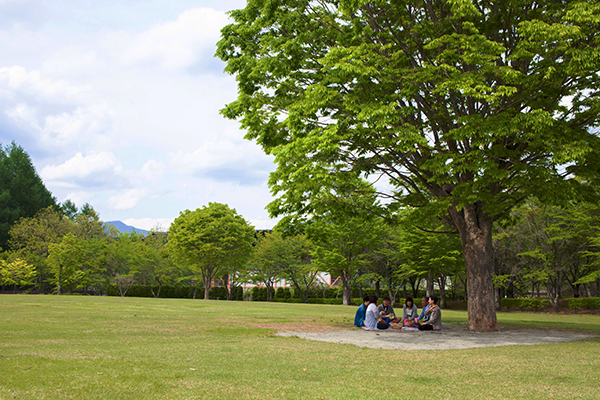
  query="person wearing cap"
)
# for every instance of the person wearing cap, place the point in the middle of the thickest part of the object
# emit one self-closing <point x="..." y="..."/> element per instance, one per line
<point x="361" y="313"/>
<point x="434" y="323"/>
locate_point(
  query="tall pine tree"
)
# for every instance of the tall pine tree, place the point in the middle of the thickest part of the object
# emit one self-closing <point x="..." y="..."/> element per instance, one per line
<point x="22" y="192"/>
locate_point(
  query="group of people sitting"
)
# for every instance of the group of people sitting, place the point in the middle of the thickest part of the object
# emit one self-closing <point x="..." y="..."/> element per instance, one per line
<point x="371" y="315"/>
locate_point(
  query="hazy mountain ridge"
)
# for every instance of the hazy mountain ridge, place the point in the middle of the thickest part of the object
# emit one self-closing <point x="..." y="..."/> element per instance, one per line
<point x="122" y="227"/>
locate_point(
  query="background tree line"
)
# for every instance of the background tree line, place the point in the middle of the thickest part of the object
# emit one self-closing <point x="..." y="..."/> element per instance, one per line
<point x="540" y="251"/>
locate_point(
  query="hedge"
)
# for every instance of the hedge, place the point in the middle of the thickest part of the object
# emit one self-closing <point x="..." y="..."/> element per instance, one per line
<point x="527" y="304"/>
<point x="574" y="303"/>
<point x="584" y="302"/>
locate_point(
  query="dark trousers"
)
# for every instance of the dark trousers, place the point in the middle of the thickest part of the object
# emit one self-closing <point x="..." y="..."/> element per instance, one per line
<point x="424" y="327"/>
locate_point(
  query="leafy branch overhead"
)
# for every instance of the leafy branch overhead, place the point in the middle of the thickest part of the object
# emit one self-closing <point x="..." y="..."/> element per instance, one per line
<point x="460" y="108"/>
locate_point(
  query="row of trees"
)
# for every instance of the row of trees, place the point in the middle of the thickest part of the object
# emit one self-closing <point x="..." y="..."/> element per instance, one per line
<point x="543" y="249"/>
<point x="540" y="248"/>
<point x="72" y="250"/>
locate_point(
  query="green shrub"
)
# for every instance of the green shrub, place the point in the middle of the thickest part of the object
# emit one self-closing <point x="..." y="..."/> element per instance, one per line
<point x="584" y="303"/>
<point x="260" y="294"/>
<point x="283" y="293"/>
<point x="525" y="304"/>
<point x="217" y="293"/>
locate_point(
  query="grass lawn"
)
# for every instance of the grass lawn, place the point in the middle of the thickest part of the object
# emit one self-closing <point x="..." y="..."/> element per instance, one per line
<point x="73" y="347"/>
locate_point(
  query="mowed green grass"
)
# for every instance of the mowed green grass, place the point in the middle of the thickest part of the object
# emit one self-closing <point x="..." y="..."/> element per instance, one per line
<point x="72" y="347"/>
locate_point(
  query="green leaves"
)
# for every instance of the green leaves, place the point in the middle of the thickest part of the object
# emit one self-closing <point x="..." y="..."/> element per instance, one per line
<point x="430" y="94"/>
<point x="22" y="192"/>
<point x="16" y="273"/>
<point x="210" y="239"/>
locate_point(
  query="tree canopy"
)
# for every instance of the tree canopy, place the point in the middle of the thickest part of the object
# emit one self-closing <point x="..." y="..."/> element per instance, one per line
<point x="22" y="192"/>
<point x="461" y="109"/>
<point x="210" y="239"/>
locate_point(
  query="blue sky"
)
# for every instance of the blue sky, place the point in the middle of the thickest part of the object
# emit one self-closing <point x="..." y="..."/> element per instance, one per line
<point x="117" y="103"/>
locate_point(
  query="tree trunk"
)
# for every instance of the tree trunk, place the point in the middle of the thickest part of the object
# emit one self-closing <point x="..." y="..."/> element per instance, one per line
<point x="390" y="289"/>
<point x="268" y="285"/>
<point x="59" y="282"/>
<point x="347" y="290"/>
<point x="452" y="293"/>
<point x="442" y="283"/>
<point x="583" y="291"/>
<point x="475" y="229"/>
<point x="225" y="280"/>
<point x="414" y="284"/>
<point x="207" y="274"/>
<point x="303" y="293"/>
<point x="430" y="282"/>
<point x="377" y="291"/>
<point x="553" y="287"/>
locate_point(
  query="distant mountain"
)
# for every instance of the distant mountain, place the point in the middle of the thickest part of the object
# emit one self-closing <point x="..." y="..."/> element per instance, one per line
<point x="121" y="227"/>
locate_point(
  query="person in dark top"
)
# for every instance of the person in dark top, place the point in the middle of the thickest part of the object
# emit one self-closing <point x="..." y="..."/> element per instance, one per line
<point x="359" y="319"/>
<point x="386" y="311"/>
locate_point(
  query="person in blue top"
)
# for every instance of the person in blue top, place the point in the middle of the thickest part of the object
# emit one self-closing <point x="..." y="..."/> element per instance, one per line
<point x="425" y="303"/>
<point x="359" y="319"/>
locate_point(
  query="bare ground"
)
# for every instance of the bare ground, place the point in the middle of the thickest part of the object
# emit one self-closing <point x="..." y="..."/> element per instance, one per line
<point x="451" y="337"/>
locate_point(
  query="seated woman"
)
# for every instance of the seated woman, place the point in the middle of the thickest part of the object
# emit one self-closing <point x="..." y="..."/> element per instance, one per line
<point x="434" y="323"/>
<point x="409" y="312"/>
<point x="372" y="316"/>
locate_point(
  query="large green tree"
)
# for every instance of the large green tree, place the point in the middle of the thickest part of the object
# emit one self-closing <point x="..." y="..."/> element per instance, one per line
<point x="342" y="245"/>
<point x="65" y="259"/>
<point x="155" y="266"/>
<point x="30" y="239"/>
<point x="461" y="108"/>
<point x="210" y="239"/>
<point x="22" y="192"/>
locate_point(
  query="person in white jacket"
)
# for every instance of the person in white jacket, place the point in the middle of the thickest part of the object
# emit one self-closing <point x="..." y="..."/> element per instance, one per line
<point x="372" y="316"/>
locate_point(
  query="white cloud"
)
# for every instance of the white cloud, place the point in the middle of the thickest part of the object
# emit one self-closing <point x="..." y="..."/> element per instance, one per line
<point x="79" y="198"/>
<point x="175" y="44"/>
<point x="25" y="113"/>
<point x="16" y="79"/>
<point x="213" y="154"/>
<point x="64" y="128"/>
<point x="162" y="224"/>
<point x="71" y="60"/>
<point x="110" y="105"/>
<point x="263" y="223"/>
<point x="82" y="166"/>
<point x="128" y="199"/>
<point x="153" y="171"/>
<point x="34" y="103"/>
